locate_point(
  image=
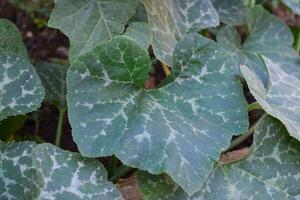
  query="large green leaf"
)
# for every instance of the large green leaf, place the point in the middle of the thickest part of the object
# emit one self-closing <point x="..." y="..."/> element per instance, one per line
<point x="171" y="20"/>
<point x="53" y="78"/>
<point x="294" y="5"/>
<point x="231" y="11"/>
<point x="271" y="171"/>
<point x="11" y="39"/>
<point x="30" y="171"/>
<point x="88" y="22"/>
<point x="268" y="35"/>
<point x="140" y="31"/>
<point x="179" y="129"/>
<point x="20" y="88"/>
<point x="282" y="97"/>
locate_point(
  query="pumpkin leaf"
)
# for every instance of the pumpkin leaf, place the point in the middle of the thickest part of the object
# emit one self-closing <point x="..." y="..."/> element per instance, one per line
<point x="89" y="22"/>
<point x="37" y="174"/>
<point x="231" y="12"/>
<point x="53" y="77"/>
<point x="171" y="20"/>
<point x="180" y="128"/>
<point x="140" y="31"/>
<point x="271" y="171"/>
<point x="294" y="5"/>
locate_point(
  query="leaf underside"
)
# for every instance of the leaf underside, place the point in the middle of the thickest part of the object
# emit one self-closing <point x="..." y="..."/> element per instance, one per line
<point x="31" y="171"/>
<point x="271" y="171"/>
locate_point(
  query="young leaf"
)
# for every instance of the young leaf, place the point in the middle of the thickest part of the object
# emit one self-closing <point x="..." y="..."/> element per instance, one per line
<point x="31" y="171"/>
<point x="294" y="5"/>
<point x="89" y="22"/>
<point x="282" y="97"/>
<point x="231" y="11"/>
<point x="140" y="32"/>
<point x="179" y="129"/>
<point x="171" y="20"/>
<point x="53" y="78"/>
<point x="20" y="87"/>
<point x="271" y="171"/>
<point x="11" y="39"/>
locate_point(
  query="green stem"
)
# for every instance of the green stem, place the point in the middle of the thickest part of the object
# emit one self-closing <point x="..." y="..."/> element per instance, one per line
<point x="120" y="172"/>
<point x="252" y="3"/>
<point x="59" y="129"/>
<point x="297" y="44"/>
<point x="254" y="106"/>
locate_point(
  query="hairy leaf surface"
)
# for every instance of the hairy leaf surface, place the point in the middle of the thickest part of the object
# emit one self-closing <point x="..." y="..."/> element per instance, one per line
<point x="271" y="171"/>
<point x="179" y="129"/>
<point x="31" y="171"/>
<point x="53" y="78"/>
<point x="171" y="20"/>
<point x="89" y="22"/>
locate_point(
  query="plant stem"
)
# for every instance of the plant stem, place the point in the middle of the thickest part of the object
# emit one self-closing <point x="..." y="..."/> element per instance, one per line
<point x="252" y="3"/>
<point x="120" y="172"/>
<point x="297" y="44"/>
<point x="112" y="166"/>
<point x="254" y="106"/>
<point x="59" y="129"/>
<point x="37" y="123"/>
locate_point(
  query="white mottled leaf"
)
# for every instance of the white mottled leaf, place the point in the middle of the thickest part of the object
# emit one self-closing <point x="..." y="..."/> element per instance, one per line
<point x="53" y="77"/>
<point x="31" y="171"/>
<point x="89" y="22"/>
<point x="294" y="5"/>
<point x="21" y="90"/>
<point x="282" y="97"/>
<point x="231" y="11"/>
<point x="271" y="171"/>
<point x="141" y="32"/>
<point x="180" y="128"/>
<point x="171" y="20"/>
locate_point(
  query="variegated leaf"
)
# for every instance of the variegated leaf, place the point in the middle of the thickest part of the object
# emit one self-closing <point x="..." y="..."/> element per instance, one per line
<point x="89" y="22"/>
<point x="231" y="11"/>
<point x="53" y="78"/>
<point x="179" y="129"/>
<point x="171" y="20"/>
<point x="31" y="171"/>
<point x="271" y="171"/>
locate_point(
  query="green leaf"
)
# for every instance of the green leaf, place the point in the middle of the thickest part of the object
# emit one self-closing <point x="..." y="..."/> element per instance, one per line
<point x="282" y="97"/>
<point x="53" y="78"/>
<point x="11" y="39"/>
<point x="140" y="32"/>
<point x="21" y="90"/>
<point x="44" y="171"/>
<point x="294" y="5"/>
<point x="11" y="125"/>
<point x="271" y="171"/>
<point x="171" y="20"/>
<point x="231" y="11"/>
<point x="89" y="22"/>
<point x="179" y="129"/>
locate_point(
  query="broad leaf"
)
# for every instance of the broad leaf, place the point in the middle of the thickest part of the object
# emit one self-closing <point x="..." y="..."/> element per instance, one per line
<point x="53" y="78"/>
<point x="294" y="5"/>
<point x="231" y="11"/>
<point x="89" y="22"/>
<point x="268" y="35"/>
<point x="44" y="171"/>
<point x="171" y="20"/>
<point x="179" y="129"/>
<point x="271" y="171"/>
<point x="140" y="32"/>
<point x="282" y="97"/>
<point x="20" y="88"/>
<point x="11" y="39"/>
